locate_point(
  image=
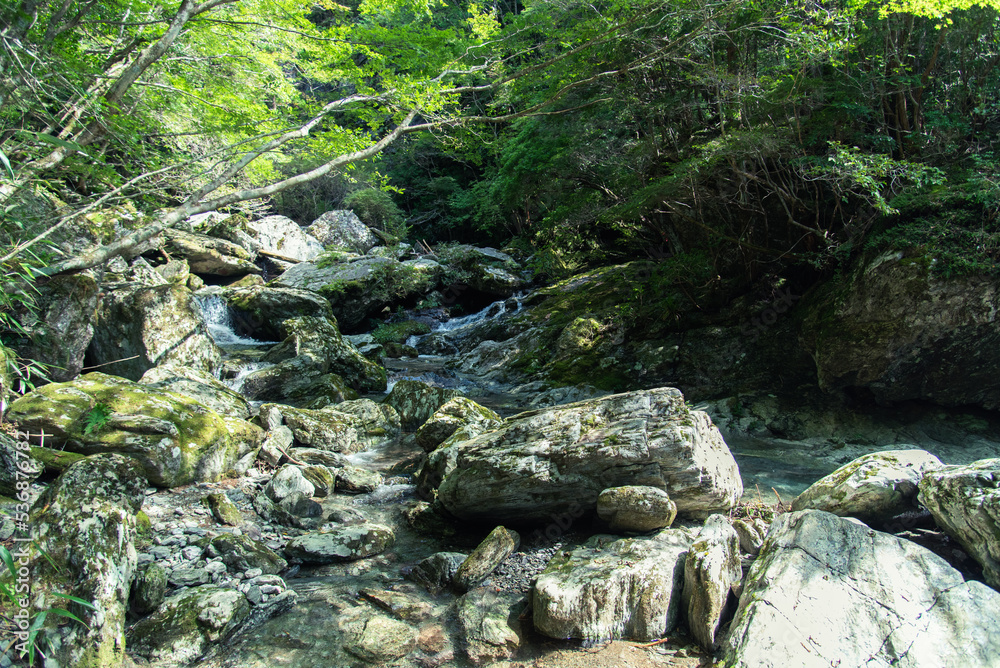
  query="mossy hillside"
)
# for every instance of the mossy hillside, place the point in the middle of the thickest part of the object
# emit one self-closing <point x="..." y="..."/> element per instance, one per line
<point x="177" y="440"/>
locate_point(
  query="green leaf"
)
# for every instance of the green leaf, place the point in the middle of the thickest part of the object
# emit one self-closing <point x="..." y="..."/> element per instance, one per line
<point x="66" y="613"/>
<point x="8" y="559"/>
<point x="86" y="604"/>
<point x="6" y="164"/>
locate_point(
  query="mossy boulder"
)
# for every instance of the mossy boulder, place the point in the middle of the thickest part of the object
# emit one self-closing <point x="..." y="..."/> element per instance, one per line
<point x="712" y="572"/>
<point x="490" y="624"/>
<point x="138" y="328"/>
<point x="416" y="401"/>
<point x="259" y="310"/>
<point x="282" y="235"/>
<point x="319" y="340"/>
<point x="553" y="461"/>
<point x="872" y="488"/>
<point x="223" y="509"/>
<point x="175" y="439"/>
<point x="342" y="230"/>
<point x="488" y="555"/>
<point x="897" y="329"/>
<point x="636" y="508"/>
<point x="242" y="553"/>
<point x="374" y="637"/>
<point x="61" y="329"/>
<point x="200" y="386"/>
<point x="209" y="255"/>
<point x="55" y="461"/>
<point x="343" y="543"/>
<point x="84" y="527"/>
<point x="351" y="426"/>
<point x="456" y="413"/>
<point x="148" y="589"/>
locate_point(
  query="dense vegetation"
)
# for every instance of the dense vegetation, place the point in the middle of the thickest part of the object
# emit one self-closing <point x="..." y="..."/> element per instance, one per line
<point x="728" y="141"/>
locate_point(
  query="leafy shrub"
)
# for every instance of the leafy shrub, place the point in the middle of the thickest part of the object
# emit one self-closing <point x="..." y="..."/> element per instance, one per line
<point x="376" y="209"/>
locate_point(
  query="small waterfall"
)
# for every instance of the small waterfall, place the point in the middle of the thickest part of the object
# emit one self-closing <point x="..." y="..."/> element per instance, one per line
<point x="494" y="310"/>
<point x="236" y="382"/>
<point x="219" y="321"/>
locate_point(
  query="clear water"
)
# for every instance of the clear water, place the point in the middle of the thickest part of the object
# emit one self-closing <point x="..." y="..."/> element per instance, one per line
<point x="219" y="321"/>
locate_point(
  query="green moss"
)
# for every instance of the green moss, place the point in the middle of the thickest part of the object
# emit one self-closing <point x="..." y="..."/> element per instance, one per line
<point x="399" y="332"/>
<point x="55" y="461"/>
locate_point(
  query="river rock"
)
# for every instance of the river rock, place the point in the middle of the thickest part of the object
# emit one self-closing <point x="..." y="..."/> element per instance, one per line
<point x="200" y="386"/>
<point x="750" y="535"/>
<point x="286" y="482"/>
<point x="299" y="381"/>
<point x="84" y="529"/>
<point x="636" y="508"/>
<point x="486" y="270"/>
<point x="175" y="439"/>
<point x="322" y="478"/>
<point x="282" y="235"/>
<point x="208" y="255"/>
<point x="187" y="623"/>
<point x="437" y="571"/>
<point x="347" y="543"/>
<point x="557" y="460"/>
<point x="500" y="544"/>
<point x="319" y="339"/>
<point x="356" y="480"/>
<point x="259" y="310"/>
<point x="17" y="464"/>
<point x="416" y="401"/>
<point x="148" y="590"/>
<point x="898" y="329"/>
<point x="611" y="589"/>
<point x="827" y="589"/>
<point x="61" y="329"/>
<point x="223" y="510"/>
<point x="343" y="230"/>
<point x="374" y="637"/>
<point x="315" y="457"/>
<point x="139" y="328"/>
<point x="347" y="427"/>
<point x="965" y="502"/>
<point x="490" y="626"/>
<point x="873" y="488"/>
<point x="455" y="413"/>
<point x="242" y="553"/>
<point x="711" y="571"/>
<point x="273" y="513"/>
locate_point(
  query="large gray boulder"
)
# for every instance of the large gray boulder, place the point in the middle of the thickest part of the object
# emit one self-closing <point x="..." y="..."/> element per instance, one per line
<point x="343" y="230"/>
<point x="197" y="385"/>
<point x="874" y="488"/>
<point x="146" y="327"/>
<point x="965" y="502"/>
<point x="826" y="590"/>
<point x="416" y="401"/>
<point x="208" y="255"/>
<point x="552" y="461"/>
<point x="84" y="529"/>
<point x="259" y="310"/>
<point x="711" y="572"/>
<point x="61" y="329"/>
<point x="343" y="543"/>
<point x="348" y="427"/>
<point x="283" y="236"/>
<point x="611" y="589"/>
<point x="458" y="412"/>
<point x="899" y="330"/>
<point x="176" y="440"/>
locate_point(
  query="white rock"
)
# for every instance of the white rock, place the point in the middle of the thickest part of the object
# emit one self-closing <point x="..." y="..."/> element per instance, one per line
<point x="711" y="570"/>
<point x="282" y="235"/>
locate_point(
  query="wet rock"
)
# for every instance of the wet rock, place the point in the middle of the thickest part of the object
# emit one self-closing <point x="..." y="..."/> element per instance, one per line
<point x="437" y="572"/>
<point x="636" y="508"/>
<point x="965" y="502"/>
<point x="176" y="440"/>
<point x="555" y="461"/>
<point x="416" y="402"/>
<point x="319" y="340"/>
<point x="489" y="554"/>
<point x="356" y="480"/>
<point x="873" y="488"/>
<point x="223" y="510"/>
<point x="283" y="236"/>
<point x="187" y="623"/>
<point x="299" y="381"/>
<point x="343" y="230"/>
<point x="288" y="481"/>
<point x="607" y="589"/>
<point x="315" y="457"/>
<point x="399" y="605"/>
<point x="827" y="589"/>
<point x="711" y="570"/>
<point x="16" y="464"/>
<point x="454" y="414"/>
<point x="490" y="624"/>
<point x="138" y="328"/>
<point x="197" y="385"/>
<point x="176" y="271"/>
<point x="84" y="529"/>
<point x="242" y="553"/>
<point x="348" y="543"/>
<point x="208" y="255"/>
<point x="431" y="519"/>
<point x="374" y="637"/>
<point x="276" y="444"/>
<point x="148" y="589"/>
<point x="323" y="480"/>
<point x="351" y="426"/>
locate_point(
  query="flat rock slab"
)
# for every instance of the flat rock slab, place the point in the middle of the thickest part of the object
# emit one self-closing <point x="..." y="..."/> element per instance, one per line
<point x="548" y="462"/>
<point x="348" y="543"/>
<point x="827" y="591"/>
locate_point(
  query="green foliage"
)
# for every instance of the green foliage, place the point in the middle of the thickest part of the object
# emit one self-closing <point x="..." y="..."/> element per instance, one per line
<point x="12" y="600"/>
<point x="96" y="418"/>
<point x="376" y="209"/>
<point x="399" y="332"/>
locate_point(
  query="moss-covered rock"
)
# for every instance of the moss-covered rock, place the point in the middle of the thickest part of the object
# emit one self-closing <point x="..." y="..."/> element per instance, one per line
<point x="456" y="413"/>
<point x="148" y="589"/>
<point x="416" y="401"/>
<point x="347" y="427"/>
<point x="139" y="328"/>
<point x="259" y="310"/>
<point x="197" y="385"/>
<point x="55" y="461"/>
<point x="209" y="255"/>
<point x="223" y="510"/>
<point x="636" y="508"/>
<point x="343" y="543"/>
<point x="176" y="440"/>
<point x="242" y="553"/>
<point x="84" y="528"/>
<point x="488" y="555"/>
<point x="17" y="463"/>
